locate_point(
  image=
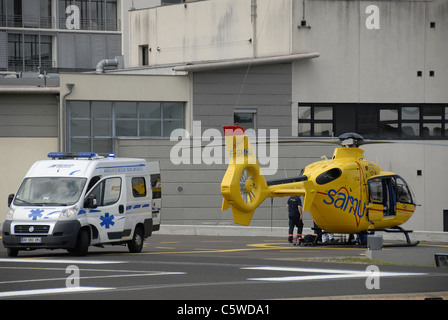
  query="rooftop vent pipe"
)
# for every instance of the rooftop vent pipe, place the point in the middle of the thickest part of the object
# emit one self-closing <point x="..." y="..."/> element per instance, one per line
<point x="106" y="63"/>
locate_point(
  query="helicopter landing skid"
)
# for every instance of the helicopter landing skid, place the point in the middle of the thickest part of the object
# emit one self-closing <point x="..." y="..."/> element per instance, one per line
<point x="406" y="234"/>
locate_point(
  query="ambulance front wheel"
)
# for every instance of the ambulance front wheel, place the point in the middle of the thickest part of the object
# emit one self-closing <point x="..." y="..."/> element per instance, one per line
<point x="136" y="244"/>
<point x="12" y="252"/>
<point x="82" y="244"/>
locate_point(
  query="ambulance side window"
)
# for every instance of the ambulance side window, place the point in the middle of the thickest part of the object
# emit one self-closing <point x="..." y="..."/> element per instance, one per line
<point x="156" y="186"/>
<point x="138" y="187"/>
<point x="107" y="192"/>
<point x="92" y="182"/>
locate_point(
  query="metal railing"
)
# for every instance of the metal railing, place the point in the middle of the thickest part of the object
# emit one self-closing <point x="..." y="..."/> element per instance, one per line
<point x="18" y="21"/>
<point x="29" y="64"/>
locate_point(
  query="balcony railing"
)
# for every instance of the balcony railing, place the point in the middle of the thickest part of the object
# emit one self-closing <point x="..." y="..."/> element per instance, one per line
<point x="29" y="64"/>
<point x="18" y="21"/>
<point x="14" y="21"/>
<point x="94" y="24"/>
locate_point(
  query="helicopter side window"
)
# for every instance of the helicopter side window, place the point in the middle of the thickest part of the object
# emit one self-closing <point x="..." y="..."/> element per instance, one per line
<point x="383" y="191"/>
<point x="376" y="191"/>
<point x="402" y="191"/>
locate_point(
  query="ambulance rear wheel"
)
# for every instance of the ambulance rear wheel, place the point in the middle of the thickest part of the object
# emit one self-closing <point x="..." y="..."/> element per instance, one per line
<point x="136" y="244"/>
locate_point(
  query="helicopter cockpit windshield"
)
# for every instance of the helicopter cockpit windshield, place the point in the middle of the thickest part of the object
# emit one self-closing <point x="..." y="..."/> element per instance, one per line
<point x="388" y="191"/>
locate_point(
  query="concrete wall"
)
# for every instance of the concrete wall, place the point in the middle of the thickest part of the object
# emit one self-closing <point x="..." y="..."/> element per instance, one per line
<point x="371" y="51"/>
<point x="126" y="87"/>
<point x="211" y="30"/>
<point x="28" y="131"/>
<point x="266" y="89"/>
<point x="16" y="157"/>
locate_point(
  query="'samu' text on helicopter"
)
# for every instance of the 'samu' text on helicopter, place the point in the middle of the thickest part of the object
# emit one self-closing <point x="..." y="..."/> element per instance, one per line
<point x="344" y="194"/>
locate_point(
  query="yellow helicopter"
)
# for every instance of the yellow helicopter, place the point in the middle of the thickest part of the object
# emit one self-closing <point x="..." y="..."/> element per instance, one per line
<point x="344" y="194"/>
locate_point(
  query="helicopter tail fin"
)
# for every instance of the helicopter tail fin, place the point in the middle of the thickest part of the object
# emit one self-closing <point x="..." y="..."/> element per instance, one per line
<point x="243" y="186"/>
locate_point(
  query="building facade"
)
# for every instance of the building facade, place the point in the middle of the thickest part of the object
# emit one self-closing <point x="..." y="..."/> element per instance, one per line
<point x="297" y="68"/>
<point x="54" y="35"/>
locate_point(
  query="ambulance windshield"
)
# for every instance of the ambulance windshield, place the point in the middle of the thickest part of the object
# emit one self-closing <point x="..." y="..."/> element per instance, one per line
<point x="49" y="191"/>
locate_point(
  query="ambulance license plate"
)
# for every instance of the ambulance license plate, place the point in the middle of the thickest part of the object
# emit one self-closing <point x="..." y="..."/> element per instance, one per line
<point x="31" y="240"/>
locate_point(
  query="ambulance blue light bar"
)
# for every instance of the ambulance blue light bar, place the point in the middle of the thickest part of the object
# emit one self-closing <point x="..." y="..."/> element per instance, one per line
<point x="70" y="155"/>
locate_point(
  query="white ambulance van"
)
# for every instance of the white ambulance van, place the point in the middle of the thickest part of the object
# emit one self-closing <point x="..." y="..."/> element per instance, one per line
<point x="79" y="200"/>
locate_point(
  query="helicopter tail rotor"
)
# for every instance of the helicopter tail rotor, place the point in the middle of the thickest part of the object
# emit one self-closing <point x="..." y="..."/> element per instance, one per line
<point x="243" y="186"/>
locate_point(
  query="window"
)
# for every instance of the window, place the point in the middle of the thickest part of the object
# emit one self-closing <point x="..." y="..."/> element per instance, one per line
<point x="50" y="191"/>
<point x="410" y="121"/>
<point x="172" y="1"/>
<point x="138" y="187"/>
<point x="403" y="192"/>
<point x="107" y="192"/>
<point x="373" y="121"/>
<point x="28" y="52"/>
<point x="156" y="186"/>
<point x="245" y="118"/>
<point x="126" y="119"/>
<point x="389" y="122"/>
<point x="94" y="124"/>
<point x="315" y="120"/>
<point x="376" y="191"/>
<point x="25" y="13"/>
<point x="144" y="55"/>
<point x="433" y="123"/>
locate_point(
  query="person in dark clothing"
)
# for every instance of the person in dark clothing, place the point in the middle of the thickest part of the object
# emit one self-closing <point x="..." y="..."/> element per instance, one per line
<point x="294" y="206"/>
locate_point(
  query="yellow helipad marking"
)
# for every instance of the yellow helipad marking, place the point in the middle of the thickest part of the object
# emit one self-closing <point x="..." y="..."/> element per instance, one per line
<point x="276" y="246"/>
<point x="433" y="245"/>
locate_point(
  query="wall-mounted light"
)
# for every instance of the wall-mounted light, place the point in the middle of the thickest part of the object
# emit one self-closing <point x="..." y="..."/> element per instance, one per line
<point x="303" y="25"/>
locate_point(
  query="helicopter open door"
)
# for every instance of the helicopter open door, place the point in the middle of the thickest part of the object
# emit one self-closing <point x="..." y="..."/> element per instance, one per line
<point x="390" y="199"/>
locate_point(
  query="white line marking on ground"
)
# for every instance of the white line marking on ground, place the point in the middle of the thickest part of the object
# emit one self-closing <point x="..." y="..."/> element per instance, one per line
<point x="329" y="274"/>
<point x="50" y="291"/>
<point x="62" y="261"/>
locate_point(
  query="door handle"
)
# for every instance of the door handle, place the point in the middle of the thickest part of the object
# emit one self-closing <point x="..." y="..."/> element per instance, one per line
<point x="121" y="208"/>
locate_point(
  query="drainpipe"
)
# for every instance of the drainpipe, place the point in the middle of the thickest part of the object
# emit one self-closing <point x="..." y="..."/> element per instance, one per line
<point x="64" y="116"/>
<point x="106" y="63"/>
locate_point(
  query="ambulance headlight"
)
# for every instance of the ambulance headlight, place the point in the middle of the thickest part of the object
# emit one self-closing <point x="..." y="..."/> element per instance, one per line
<point x="10" y="214"/>
<point x="68" y="213"/>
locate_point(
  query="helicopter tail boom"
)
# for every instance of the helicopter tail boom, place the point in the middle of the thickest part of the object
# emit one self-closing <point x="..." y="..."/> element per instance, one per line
<point x="303" y="188"/>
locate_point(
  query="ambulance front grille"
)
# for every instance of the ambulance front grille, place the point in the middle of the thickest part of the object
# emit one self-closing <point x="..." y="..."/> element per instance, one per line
<point x="32" y="229"/>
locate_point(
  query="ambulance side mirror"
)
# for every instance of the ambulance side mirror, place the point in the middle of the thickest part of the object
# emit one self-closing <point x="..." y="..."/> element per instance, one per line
<point x="90" y="202"/>
<point x="10" y="198"/>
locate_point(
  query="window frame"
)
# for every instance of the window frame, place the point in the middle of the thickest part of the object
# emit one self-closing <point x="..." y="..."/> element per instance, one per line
<point x="368" y="120"/>
<point x="313" y="121"/>
<point x="136" y="193"/>
<point x="252" y="112"/>
<point x="94" y="141"/>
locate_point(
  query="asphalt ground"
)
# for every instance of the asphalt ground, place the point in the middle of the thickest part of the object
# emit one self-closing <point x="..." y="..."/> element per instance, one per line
<point x="208" y="268"/>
